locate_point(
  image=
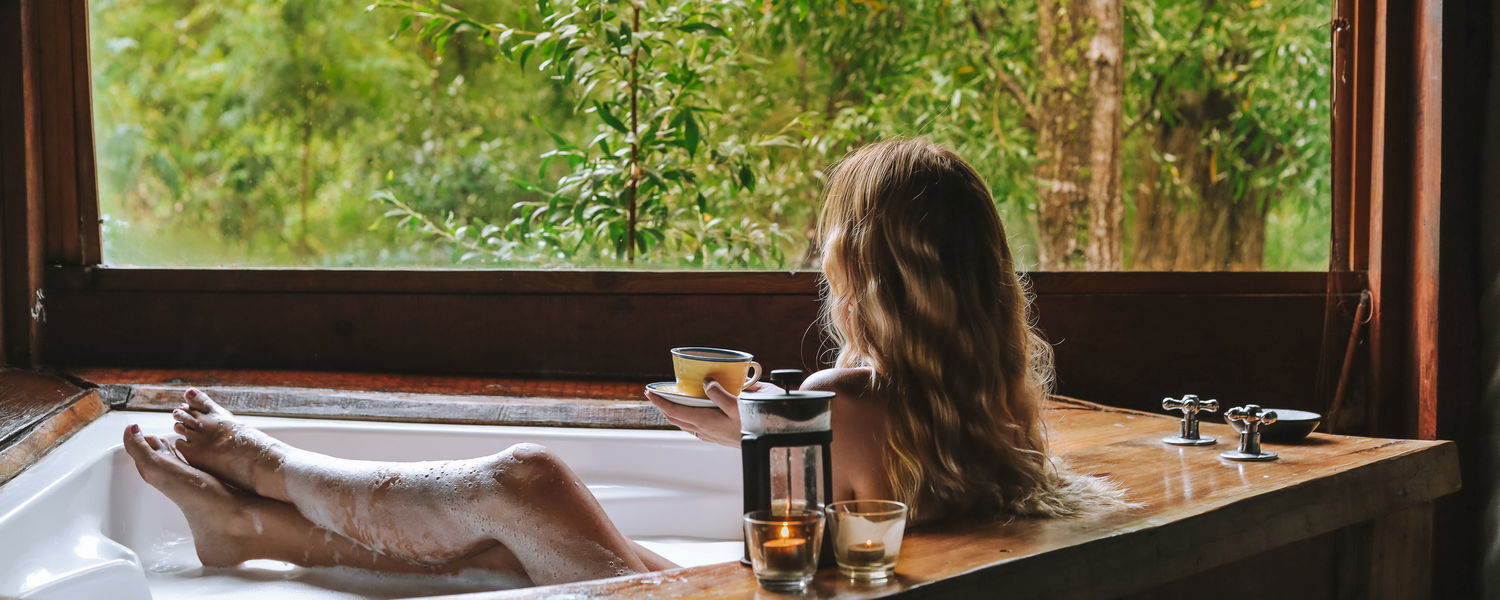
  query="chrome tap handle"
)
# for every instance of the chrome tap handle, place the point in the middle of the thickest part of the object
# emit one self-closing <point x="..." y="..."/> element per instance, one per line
<point x="1190" y="406"/>
<point x="1247" y="420"/>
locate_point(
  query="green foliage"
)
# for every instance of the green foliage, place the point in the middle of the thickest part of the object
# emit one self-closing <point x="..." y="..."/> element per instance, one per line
<point x="1254" y="77"/>
<point x="645" y="182"/>
<point x="521" y="134"/>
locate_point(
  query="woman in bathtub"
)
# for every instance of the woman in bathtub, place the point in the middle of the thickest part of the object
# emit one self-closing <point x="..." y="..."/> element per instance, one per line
<point x="940" y="382"/>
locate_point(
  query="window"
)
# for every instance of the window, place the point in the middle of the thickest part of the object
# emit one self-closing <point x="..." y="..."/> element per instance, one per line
<point x="389" y="312"/>
<point x="518" y="135"/>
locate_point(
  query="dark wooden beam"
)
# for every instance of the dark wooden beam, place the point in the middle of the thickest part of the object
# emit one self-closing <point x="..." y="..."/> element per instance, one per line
<point x="469" y="281"/>
<point x="1428" y="108"/>
<point x="1446" y="303"/>
<point x="10" y="176"/>
<point x="21" y="185"/>
<point x="1126" y="338"/>
<point x="1390" y="190"/>
<point x="1342" y="130"/>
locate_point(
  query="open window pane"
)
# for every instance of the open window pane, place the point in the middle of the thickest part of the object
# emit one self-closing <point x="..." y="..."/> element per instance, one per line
<point x="514" y="134"/>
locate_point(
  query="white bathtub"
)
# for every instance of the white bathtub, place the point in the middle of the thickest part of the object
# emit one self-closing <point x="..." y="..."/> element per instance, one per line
<point x="80" y="524"/>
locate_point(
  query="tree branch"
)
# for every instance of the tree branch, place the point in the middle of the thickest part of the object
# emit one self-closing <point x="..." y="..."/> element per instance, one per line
<point x="1161" y="77"/>
<point x="1004" y="77"/>
<point x="635" y="142"/>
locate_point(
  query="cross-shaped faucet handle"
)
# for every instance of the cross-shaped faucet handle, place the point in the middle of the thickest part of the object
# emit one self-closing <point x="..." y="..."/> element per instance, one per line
<point x="1190" y="406"/>
<point x="1247" y="420"/>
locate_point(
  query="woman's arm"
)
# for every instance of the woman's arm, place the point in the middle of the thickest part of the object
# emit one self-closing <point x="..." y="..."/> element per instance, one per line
<point x="720" y="425"/>
<point x="858" y="428"/>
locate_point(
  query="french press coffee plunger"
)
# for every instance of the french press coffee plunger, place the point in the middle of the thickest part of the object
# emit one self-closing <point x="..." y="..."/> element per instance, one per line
<point x="785" y="446"/>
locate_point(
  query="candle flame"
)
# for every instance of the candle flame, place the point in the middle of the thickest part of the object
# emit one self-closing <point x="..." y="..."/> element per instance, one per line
<point x="785" y="532"/>
<point x="869" y="542"/>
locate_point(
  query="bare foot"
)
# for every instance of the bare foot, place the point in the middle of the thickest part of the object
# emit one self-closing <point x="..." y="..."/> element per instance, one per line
<point x="215" y="514"/>
<point x="215" y="441"/>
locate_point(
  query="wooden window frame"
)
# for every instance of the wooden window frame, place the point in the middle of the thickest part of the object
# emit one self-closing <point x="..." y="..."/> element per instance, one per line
<point x="1124" y="338"/>
<point x="1405" y="201"/>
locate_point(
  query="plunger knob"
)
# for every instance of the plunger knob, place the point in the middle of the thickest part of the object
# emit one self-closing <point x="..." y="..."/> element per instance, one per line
<point x="788" y="379"/>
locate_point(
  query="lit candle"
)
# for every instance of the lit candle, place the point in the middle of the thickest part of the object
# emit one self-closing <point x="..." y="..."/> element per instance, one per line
<point x="868" y="553"/>
<point x="786" y="553"/>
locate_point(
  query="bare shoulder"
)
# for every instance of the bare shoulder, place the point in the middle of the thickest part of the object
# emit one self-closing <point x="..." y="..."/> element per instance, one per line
<point x="847" y="383"/>
<point x="857" y="402"/>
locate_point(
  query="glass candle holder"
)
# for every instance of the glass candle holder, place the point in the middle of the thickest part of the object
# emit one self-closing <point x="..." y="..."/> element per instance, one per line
<point x="784" y="547"/>
<point x="866" y="537"/>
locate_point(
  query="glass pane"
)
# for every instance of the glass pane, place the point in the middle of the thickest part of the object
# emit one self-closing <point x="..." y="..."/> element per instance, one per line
<point x="1154" y="135"/>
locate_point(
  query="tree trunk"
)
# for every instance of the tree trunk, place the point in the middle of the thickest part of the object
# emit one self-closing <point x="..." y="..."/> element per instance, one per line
<point x="1080" y="213"/>
<point x="1195" y="222"/>
<point x="1107" y="95"/>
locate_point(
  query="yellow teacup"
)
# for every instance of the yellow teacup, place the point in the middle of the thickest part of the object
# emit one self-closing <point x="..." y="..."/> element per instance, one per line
<point x="728" y="367"/>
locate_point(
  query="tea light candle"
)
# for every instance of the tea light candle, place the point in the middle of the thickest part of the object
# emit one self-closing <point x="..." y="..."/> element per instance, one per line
<point x="787" y="553"/>
<point x="870" y="552"/>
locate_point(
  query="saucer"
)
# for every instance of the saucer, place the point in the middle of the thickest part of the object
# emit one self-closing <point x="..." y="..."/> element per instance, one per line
<point x="668" y="390"/>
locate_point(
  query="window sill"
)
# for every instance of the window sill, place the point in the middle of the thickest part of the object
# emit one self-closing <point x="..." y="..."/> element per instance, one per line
<point x="38" y="412"/>
<point x="409" y="398"/>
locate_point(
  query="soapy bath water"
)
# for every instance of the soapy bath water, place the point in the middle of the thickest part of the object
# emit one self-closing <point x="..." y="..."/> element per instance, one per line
<point x="174" y="573"/>
<point x="272" y="579"/>
<point x="340" y="493"/>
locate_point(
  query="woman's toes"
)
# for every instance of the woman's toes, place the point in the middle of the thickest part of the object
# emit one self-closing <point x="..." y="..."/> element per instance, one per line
<point x="200" y="401"/>
<point x="184" y="418"/>
<point x="180" y="428"/>
<point x="144" y="451"/>
<point x="135" y="444"/>
<point x="217" y="408"/>
<point x="169" y="447"/>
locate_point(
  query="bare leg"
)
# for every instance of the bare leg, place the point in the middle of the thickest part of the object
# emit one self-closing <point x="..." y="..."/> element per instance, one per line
<point x="230" y="526"/>
<point x="523" y="498"/>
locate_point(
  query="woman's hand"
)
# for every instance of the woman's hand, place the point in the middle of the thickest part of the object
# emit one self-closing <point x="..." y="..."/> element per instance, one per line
<point x="720" y="424"/>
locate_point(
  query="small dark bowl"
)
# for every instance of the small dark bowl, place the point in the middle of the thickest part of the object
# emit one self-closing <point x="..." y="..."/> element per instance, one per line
<point x="1291" y="426"/>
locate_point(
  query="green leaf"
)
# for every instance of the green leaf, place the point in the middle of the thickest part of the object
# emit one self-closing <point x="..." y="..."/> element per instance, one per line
<point x="777" y="141"/>
<point x="526" y="185"/>
<point x="701" y="27"/>
<point x="690" y="134"/>
<point x="555" y="137"/>
<point x="434" y="25"/>
<point x="525" y="53"/>
<point x="405" y="25"/>
<point x="609" y="117"/>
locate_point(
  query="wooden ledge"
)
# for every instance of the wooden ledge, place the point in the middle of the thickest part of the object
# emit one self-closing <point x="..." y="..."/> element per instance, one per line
<point x="1195" y="513"/>
<point x="416" y="408"/>
<point x="366" y="382"/>
<point x="412" y="398"/>
<point x="38" y="412"/>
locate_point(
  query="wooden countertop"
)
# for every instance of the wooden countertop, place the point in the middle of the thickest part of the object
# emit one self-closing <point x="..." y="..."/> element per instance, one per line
<point x="38" y="412"/>
<point x="1196" y="512"/>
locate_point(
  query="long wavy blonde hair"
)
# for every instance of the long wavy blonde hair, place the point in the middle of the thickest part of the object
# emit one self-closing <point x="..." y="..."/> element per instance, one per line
<point x="922" y="289"/>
